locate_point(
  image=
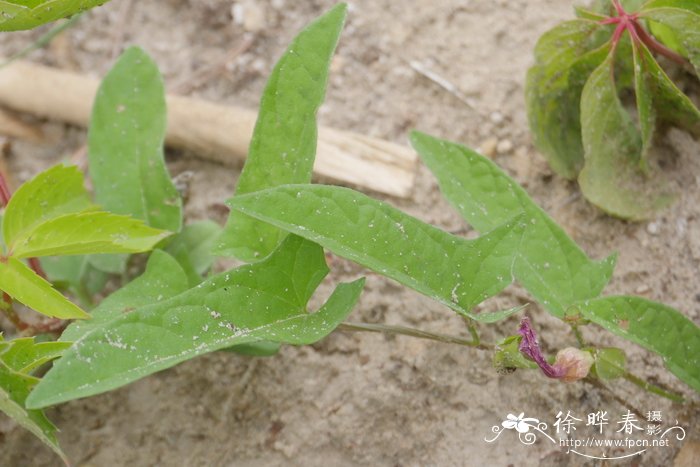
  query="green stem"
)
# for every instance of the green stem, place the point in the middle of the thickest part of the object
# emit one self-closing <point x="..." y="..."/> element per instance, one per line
<point x="404" y="331"/>
<point x="43" y="40"/>
<point x="654" y="389"/>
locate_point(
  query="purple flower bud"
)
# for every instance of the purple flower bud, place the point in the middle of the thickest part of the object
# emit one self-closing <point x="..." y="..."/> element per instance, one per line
<point x="530" y="348"/>
<point x="570" y="365"/>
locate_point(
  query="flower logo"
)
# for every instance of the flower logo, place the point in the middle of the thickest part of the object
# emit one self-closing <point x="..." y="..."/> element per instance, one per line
<point x="519" y="423"/>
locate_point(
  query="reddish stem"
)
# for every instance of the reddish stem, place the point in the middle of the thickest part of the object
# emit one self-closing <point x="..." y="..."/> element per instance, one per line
<point x="4" y="191"/>
<point x="36" y="266"/>
<point x="657" y="46"/>
<point x="630" y="22"/>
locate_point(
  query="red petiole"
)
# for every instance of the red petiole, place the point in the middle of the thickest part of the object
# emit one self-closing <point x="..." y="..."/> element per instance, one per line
<point x="630" y="22"/>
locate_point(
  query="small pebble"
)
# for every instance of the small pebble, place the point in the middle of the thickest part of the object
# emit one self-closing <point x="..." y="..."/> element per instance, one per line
<point x="504" y="147"/>
<point x="653" y="228"/>
<point x="488" y="147"/>
<point x="642" y="289"/>
<point x="496" y="118"/>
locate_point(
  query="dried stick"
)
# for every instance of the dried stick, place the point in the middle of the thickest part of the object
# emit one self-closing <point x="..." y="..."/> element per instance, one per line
<point x="216" y="132"/>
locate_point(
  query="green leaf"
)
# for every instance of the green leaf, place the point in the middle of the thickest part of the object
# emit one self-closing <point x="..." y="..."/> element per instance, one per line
<point x="52" y="193"/>
<point x="75" y="273"/>
<point x="610" y="363"/>
<point x="25" y="286"/>
<point x="262" y="301"/>
<point x="125" y="144"/>
<point x="584" y="13"/>
<point x="684" y="24"/>
<point x="564" y="57"/>
<point x="24" y="355"/>
<point x="549" y="264"/>
<point x="256" y="349"/>
<point x="14" y="389"/>
<point x="611" y="178"/>
<point x="192" y="248"/>
<point x="655" y="327"/>
<point x="665" y="33"/>
<point x="283" y="147"/>
<point x="86" y="233"/>
<point x="29" y="14"/>
<point x="646" y="113"/>
<point x="162" y="280"/>
<point x="656" y="94"/>
<point x="457" y="272"/>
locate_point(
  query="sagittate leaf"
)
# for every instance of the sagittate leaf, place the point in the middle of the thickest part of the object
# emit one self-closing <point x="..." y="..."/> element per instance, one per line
<point x="28" y="14"/>
<point x="564" y="57"/>
<point x="125" y="144"/>
<point x="52" y="193"/>
<point x="14" y="389"/>
<point x="549" y="264"/>
<point x="192" y="248"/>
<point x="162" y="280"/>
<point x="125" y="148"/>
<point x="283" y="147"/>
<point x="655" y="327"/>
<point x="25" y="286"/>
<point x="457" y="272"/>
<point x="262" y="301"/>
<point x="611" y="178"/>
<point x="684" y="24"/>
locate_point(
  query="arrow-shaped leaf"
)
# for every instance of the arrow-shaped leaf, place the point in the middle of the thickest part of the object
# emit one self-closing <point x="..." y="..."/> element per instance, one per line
<point x="283" y="147"/>
<point x="550" y="265"/>
<point x="457" y="272"/>
<point x="262" y="301"/>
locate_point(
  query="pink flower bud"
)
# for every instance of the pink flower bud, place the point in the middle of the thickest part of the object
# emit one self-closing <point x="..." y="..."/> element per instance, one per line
<point x="573" y="363"/>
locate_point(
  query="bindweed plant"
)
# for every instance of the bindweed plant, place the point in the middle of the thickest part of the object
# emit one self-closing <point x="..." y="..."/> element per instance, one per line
<point x="599" y="90"/>
<point x="279" y="226"/>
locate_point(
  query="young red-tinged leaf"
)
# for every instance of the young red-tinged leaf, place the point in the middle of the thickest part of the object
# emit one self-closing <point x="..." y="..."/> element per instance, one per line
<point x="283" y="147"/>
<point x="25" y="286"/>
<point x="263" y="301"/>
<point x="550" y="265"/>
<point x="29" y="14"/>
<point x="655" y="327"/>
<point x="457" y="272"/>
<point x="611" y="178"/>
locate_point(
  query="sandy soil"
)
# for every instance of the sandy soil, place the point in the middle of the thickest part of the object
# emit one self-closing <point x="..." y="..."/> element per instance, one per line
<point x="367" y="399"/>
